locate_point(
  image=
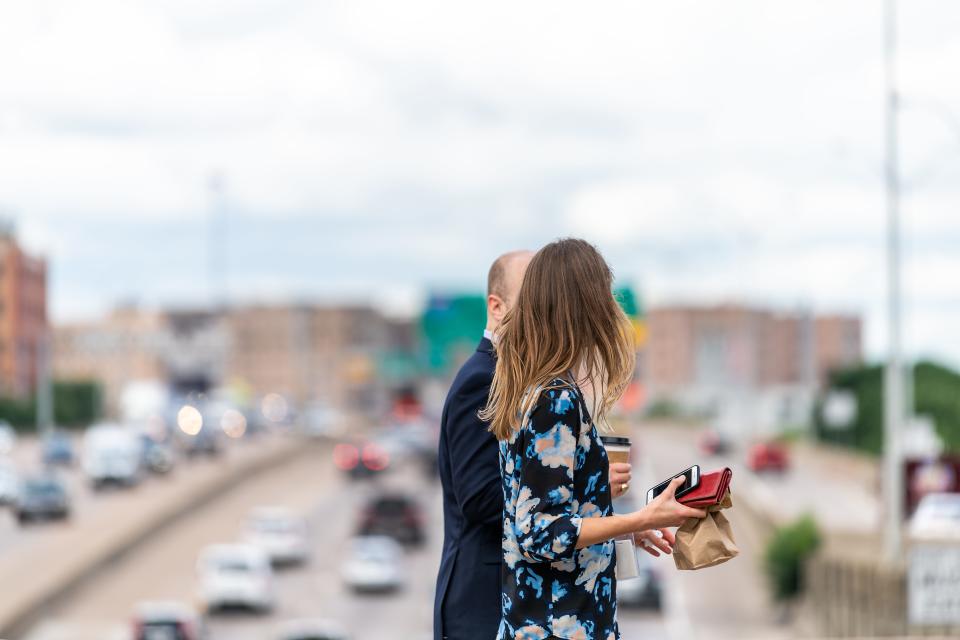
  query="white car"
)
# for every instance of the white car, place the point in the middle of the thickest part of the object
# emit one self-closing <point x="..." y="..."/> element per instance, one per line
<point x="937" y="516"/>
<point x="318" y="629"/>
<point x="235" y="575"/>
<point x="112" y="453"/>
<point x="373" y="564"/>
<point x="8" y="438"/>
<point x="279" y="532"/>
<point x="9" y="483"/>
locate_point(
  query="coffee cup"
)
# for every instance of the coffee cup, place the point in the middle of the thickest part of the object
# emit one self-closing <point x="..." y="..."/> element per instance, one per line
<point x="618" y="448"/>
<point x="627" y="564"/>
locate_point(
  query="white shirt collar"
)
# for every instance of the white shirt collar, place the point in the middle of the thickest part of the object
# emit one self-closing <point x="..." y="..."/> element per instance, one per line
<point x="488" y="334"/>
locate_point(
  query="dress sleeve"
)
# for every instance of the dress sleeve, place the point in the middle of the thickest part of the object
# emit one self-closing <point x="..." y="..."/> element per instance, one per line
<point x="546" y="520"/>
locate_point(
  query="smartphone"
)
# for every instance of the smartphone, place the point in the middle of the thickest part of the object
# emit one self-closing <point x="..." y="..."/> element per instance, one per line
<point x="691" y="481"/>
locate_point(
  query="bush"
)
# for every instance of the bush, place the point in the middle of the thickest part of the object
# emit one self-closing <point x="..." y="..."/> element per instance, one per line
<point x="75" y="404"/>
<point x="786" y="554"/>
<point x="664" y="408"/>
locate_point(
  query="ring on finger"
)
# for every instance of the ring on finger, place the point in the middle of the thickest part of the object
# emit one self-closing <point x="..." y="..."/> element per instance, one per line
<point x="624" y="487"/>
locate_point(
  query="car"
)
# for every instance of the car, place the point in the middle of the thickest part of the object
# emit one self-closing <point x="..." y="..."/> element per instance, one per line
<point x="767" y="456"/>
<point x="236" y="575"/>
<point x="361" y="460"/>
<point x="167" y="621"/>
<point x="316" y="629"/>
<point x="282" y="534"/>
<point x="205" y="442"/>
<point x="645" y="590"/>
<point x="42" y="496"/>
<point x="57" y="449"/>
<point x="8" y="438"/>
<point x="112" y="454"/>
<point x="394" y="515"/>
<point x="9" y="483"/>
<point x="712" y="443"/>
<point x="157" y="455"/>
<point x="373" y="564"/>
<point x="937" y="516"/>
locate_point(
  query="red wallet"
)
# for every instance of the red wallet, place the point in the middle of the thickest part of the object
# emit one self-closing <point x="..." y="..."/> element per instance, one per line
<point x="713" y="486"/>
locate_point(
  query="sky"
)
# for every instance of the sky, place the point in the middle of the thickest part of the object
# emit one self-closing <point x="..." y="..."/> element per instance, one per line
<point x="171" y="152"/>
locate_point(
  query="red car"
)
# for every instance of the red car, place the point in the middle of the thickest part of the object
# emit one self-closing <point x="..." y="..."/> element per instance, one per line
<point x="712" y="443"/>
<point x="767" y="456"/>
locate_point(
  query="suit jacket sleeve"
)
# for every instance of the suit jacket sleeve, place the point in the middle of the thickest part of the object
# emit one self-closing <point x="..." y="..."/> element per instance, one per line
<point x="474" y="455"/>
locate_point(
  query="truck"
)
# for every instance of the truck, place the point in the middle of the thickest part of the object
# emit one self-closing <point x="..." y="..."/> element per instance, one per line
<point x="112" y="454"/>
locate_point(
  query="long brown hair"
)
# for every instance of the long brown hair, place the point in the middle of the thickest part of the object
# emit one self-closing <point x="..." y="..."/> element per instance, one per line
<point x="565" y="321"/>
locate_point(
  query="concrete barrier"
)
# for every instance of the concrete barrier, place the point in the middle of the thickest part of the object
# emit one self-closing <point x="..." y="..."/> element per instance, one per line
<point x="38" y="577"/>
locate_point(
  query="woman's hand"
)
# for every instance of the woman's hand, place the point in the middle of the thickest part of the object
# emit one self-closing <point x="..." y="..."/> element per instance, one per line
<point x="655" y="541"/>
<point x="665" y="511"/>
<point x="619" y="478"/>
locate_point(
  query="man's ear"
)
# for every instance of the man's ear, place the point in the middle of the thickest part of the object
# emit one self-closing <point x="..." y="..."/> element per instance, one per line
<point x="496" y="308"/>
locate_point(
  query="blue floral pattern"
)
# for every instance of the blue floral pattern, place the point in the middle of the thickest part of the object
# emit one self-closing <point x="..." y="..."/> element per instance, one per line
<point x="554" y="470"/>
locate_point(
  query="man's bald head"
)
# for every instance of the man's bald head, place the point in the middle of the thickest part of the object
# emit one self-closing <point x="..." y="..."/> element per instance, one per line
<point x="503" y="284"/>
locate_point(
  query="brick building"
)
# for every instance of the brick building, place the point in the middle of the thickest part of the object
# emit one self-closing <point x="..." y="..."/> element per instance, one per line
<point x="759" y="367"/>
<point x="23" y="316"/>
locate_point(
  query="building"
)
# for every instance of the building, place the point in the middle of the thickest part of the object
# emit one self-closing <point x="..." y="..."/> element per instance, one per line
<point x="126" y="345"/>
<point x="310" y="354"/>
<point x="23" y="316"/>
<point x="766" y="361"/>
<point x="306" y="353"/>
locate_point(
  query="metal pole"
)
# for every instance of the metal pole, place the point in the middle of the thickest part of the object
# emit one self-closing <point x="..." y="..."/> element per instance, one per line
<point x="893" y="379"/>
<point x="216" y="242"/>
<point x="44" y="386"/>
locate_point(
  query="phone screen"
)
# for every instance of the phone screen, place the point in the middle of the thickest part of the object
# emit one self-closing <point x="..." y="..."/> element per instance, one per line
<point x="691" y="481"/>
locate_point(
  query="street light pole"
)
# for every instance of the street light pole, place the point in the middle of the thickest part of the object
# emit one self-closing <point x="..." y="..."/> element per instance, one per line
<point x="893" y="395"/>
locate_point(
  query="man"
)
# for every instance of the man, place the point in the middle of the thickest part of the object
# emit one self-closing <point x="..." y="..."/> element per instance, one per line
<point x="467" y="601"/>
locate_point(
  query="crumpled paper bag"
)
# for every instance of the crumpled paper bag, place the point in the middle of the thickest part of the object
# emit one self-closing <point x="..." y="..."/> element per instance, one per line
<point x="706" y="542"/>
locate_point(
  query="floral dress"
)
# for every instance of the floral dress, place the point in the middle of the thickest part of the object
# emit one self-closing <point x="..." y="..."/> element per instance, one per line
<point x="555" y="473"/>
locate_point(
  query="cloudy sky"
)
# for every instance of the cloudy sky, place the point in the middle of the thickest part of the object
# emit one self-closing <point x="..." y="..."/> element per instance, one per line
<point x="376" y="150"/>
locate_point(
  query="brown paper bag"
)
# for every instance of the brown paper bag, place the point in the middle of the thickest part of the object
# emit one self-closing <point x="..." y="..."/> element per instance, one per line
<point x="705" y="542"/>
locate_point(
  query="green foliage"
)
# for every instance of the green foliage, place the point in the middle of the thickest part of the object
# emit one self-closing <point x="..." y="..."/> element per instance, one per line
<point x="786" y="553"/>
<point x="936" y="394"/>
<point x="19" y="413"/>
<point x="75" y="403"/>
<point x="664" y="408"/>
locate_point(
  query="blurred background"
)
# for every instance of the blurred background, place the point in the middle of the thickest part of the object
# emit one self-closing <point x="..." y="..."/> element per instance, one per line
<point x="243" y="251"/>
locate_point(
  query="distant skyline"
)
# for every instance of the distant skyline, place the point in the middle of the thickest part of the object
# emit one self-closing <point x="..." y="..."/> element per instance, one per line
<point x="378" y="150"/>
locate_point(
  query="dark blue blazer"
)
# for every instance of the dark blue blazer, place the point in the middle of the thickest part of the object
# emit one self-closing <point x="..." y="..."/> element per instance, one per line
<point x="467" y="601"/>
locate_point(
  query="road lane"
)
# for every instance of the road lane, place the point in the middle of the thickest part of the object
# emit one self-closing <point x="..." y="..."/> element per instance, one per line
<point x="164" y="567"/>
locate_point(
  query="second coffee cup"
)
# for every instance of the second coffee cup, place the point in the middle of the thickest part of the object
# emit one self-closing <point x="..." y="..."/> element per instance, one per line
<point x="618" y="448"/>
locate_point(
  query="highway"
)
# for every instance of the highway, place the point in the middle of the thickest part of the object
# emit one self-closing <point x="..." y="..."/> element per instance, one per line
<point x="164" y="568"/>
<point x="721" y="602"/>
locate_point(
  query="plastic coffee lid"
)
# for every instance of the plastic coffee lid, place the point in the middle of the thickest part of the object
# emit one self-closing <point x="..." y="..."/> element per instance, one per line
<point x="615" y="440"/>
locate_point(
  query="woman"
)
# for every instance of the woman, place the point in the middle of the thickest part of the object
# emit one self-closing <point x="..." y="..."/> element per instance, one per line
<point x="566" y="334"/>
